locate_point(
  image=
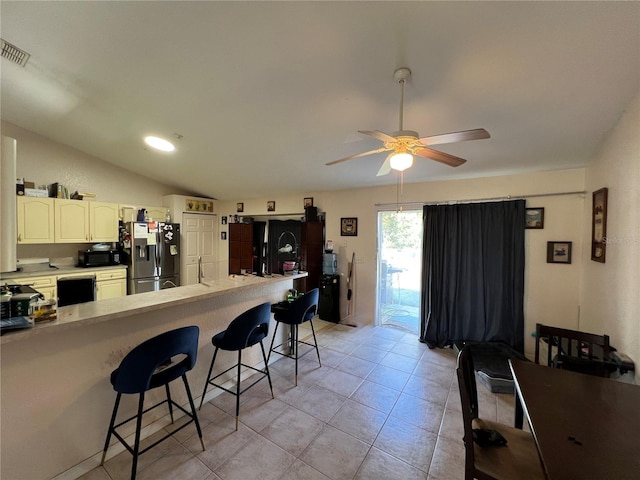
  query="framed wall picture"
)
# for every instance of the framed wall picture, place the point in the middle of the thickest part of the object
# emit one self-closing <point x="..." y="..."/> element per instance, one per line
<point x="271" y="206"/>
<point x="239" y="207"/>
<point x="599" y="225"/>
<point x="534" y="217"/>
<point x="223" y="235"/>
<point x="224" y="220"/>
<point x="349" y="227"/>
<point x="308" y="202"/>
<point x="559" y="252"/>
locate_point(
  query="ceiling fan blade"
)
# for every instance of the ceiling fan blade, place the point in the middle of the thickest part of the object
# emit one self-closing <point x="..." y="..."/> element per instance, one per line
<point x="477" y="134"/>
<point x="363" y="154"/>
<point x="441" y="157"/>
<point x="383" y="137"/>
<point x="385" y="168"/>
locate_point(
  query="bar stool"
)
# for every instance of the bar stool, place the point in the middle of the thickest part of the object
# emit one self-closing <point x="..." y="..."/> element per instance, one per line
<point x="151" y="365"/>
<point x="246" y="330"/>
<point x="301" y="310"/>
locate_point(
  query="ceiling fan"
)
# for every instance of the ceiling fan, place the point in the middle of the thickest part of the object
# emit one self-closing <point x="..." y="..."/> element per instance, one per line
<point x="403" y="144"/>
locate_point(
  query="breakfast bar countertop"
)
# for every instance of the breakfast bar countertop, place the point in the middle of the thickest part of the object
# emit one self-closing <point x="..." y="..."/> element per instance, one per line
<point x="90" y="313"/>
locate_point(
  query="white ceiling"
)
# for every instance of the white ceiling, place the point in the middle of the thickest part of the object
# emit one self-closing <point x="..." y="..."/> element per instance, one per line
<point x="265" y="93"/>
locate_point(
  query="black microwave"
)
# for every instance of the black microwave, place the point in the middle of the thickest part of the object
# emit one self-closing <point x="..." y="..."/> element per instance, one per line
<point x="98" y="258"/>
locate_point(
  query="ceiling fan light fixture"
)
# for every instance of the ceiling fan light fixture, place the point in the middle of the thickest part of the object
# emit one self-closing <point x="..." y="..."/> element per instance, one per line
<point x="158" y="143"/>
<point x="401" y="161"/>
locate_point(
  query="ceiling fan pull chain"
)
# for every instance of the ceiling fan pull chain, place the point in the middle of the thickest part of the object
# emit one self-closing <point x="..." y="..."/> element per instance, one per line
<point x="401" y="102"/>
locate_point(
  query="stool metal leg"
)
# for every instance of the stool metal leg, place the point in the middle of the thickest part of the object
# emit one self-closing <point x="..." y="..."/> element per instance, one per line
<point x="169" y="401"/>
<point x="266" y="369"/>
<point x="294" y="343"/>
<point x="315" y="341"/>
<point x="193" y="409"/>
<point x="136" y="445"/>
<point x="273" y="340"/>
<point x="238" y="388"/>
<point x="206" y="383"/>
<point x="111" y="424"/>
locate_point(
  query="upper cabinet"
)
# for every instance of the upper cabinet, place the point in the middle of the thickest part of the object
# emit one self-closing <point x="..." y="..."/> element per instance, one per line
<point x="54" y="220"/>
<point x="103" y="222"/>
<point x="129" y="213"/>
<point x="71" y="221"/>
<point x="35" y="219"/>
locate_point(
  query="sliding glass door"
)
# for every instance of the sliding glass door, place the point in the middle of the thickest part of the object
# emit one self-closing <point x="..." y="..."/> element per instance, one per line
<point x="399" y="269"/>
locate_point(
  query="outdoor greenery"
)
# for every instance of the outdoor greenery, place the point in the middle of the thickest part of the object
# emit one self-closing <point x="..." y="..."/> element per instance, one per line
<point x="402" y="230"/>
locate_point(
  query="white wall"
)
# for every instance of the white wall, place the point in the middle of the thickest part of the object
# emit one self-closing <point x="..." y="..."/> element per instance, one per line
<point x="609" y="292"/>
<point x="551" y="290"/>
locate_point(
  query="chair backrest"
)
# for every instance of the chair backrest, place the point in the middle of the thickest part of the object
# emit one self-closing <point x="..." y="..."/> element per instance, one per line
<point x="139" y="365"/>
<point x="469" y="402"/>
<point x="241" y="329"/>
<point x="303" y="308"/>
<point x="571" y="343"/>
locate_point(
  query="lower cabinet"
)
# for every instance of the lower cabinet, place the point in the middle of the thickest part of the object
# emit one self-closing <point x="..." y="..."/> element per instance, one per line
<point x="111" y="284"/>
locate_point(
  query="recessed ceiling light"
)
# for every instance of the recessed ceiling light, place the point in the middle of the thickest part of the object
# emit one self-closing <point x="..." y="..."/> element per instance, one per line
<point x="159" y="144"/>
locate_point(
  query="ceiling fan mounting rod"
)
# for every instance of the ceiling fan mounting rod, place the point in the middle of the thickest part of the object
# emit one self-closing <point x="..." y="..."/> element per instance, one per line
<point x="401" y="75"/>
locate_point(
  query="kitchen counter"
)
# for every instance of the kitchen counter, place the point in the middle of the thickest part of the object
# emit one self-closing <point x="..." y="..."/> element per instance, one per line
<point x="55" y="376"/>
<point x="90" y="313"/>
<point x="22" y="276"/>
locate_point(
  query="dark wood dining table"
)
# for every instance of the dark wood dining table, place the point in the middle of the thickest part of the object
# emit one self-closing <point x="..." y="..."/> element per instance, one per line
<point x="585" y="427"/>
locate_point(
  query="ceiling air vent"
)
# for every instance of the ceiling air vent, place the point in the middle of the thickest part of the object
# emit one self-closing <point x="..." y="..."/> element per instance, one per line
<point x="14" y="54"/>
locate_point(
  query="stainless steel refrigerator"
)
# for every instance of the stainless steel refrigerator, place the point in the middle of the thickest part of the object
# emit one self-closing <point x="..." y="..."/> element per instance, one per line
<point x="152" y="251"/>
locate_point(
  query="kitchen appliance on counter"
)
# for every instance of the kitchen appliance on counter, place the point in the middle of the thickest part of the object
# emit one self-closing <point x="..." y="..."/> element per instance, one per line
<point x="98" y="258"/>
<point x="151" y="251"/>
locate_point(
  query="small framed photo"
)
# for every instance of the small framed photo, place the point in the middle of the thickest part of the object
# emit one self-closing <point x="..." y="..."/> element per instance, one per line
<point x="349" y="227"/>
<point x="559" y="252"/>
<point x="239" y="207"/>
<point x="271" y="206"/>
<point x="534" y="217"/>
<point x="223" y="235"/>
<point x="599" y="225"/>
<point x="308" y="202"/>
<point x="224" y="220"/>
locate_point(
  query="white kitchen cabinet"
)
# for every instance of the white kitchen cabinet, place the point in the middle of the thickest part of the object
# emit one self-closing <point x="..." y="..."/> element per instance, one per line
<point x="111" y="284"/>
<point x="78" y="221"/>
<point x="35" y="216"/>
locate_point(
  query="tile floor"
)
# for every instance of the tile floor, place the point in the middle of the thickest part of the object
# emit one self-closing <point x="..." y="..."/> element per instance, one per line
<point x="382" y="406"/>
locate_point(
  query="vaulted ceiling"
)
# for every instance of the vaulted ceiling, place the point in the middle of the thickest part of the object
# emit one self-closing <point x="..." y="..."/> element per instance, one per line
<point x="258" y="96"/>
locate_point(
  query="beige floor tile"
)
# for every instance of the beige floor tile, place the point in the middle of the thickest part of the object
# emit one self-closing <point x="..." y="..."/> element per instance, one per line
<point x="331" y="358"/>
<point x="369" y="353"/>
<point x="399" y="362"/>
<point x="411" y="350"/>
<point x="359" y="420"/>
<point x="221" y="441"/>
<point x="376" y="396"/>
<point x="379" y="342"/>
<point x="119" y="467"/>
<point x="293" y="430"/>
<point x="342" y="345"/>
<point x="452" y="425"/>
<point x="356" y="366"/>
<point x="342" y="383"/>
<point x="427" y="389"/>
<point x="319" y="402"/>
<point x="178" y="463"/>
<point x="259" y="458"/>
<point x="419" y="412"/>
<point x="389" y="377"/>
<point x="380" y="465"/>
<point x="301" y="471"/>
<point x="407" y="442"/>
<point x="96" y="474"/>
<point x="335" y="454"/>
<point x="258" y="412"/>
<point x="448" y="460"/>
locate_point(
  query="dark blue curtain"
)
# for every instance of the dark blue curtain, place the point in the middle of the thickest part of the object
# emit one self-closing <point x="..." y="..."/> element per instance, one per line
<point x="473" y="274"/>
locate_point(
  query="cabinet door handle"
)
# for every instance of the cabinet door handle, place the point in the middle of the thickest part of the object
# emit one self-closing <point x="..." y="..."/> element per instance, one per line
<point x="19" y="237"/>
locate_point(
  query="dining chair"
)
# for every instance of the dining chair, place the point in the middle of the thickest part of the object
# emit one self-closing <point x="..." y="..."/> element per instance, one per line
<point x="152" y="364"/>
<point x="575" y="350"/>
<point x="246" y="330"/>
<point x="301" y="310"/>
<point x="517" y="459"/>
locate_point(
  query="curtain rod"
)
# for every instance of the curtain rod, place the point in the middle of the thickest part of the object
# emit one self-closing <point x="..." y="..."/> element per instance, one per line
<point x="487" y="199"/>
